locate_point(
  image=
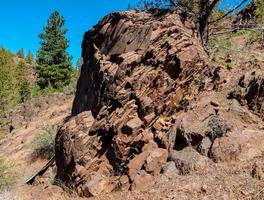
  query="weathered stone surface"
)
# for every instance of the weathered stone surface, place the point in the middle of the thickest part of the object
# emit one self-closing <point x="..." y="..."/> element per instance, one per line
<point x="169" y="169"/>
<point x="142" y="181"/>
<point x="74" y="137"/>
<point x="190" y="161"/>
<point x="217" y="127"/>
<point x="156" y="159"/>
<point x="250" y="91"/>
<point x="238" y="146"/>
<point x="205" y="145"/>
<point x="137" y="66"/>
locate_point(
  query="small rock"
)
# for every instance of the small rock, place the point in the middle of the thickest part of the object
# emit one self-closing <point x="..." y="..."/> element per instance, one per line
<point x="97" y="184"/>
<point x="189" y="160"/>
<point x="136" y="164"/>
<point x="156" y="159"/>
<point x="217" y="127"/>
<point x="257" y="170"/>
<point x="134" y="123"/>
<point x="132" y="126"/>
<point x="204" y="188"/>
<point x="142" y="181"/>
<point x="169" y="169"/>
<point x="169" y="139"/>
<point x="124" y="182"/>
<point x="204" y="147"/>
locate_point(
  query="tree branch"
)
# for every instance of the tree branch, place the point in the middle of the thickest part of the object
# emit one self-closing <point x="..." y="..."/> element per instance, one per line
<point x="212" y="5"/>
<point x="229" y="12"/>
<point x="172" y="3"/>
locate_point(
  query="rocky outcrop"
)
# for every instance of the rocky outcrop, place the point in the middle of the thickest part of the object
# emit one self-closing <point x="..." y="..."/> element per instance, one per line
<point x="145" y="104"/>
<point x="137" y="70"/>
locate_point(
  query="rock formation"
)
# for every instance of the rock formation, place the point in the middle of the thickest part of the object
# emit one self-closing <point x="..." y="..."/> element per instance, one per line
<point x="146" y="103"/>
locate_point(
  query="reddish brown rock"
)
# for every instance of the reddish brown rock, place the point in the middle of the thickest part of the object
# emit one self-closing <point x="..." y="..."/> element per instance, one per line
<point x="190" y="161"/>
<point x="155" y="160"/>
<point x="135" y="66"/>
<point x="250" y="91"/>
<point x="142" y="181"/>
<point x="136" y="164"/>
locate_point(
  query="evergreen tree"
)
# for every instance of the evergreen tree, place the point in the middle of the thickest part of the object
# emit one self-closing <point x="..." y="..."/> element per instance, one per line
<point x="8" y="82"/>
<point x="29" y="57"/>
<point x="20" y="53"/>
<point x="22" y="70"/>
<point x="24" y="91"/>
<point x="53" y="62"/>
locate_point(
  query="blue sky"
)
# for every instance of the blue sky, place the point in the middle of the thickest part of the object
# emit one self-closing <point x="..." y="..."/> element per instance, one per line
<point x="23" y="20"/>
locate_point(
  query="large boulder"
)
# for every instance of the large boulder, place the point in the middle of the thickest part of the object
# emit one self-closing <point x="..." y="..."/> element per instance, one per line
<point x="138" y="67"/>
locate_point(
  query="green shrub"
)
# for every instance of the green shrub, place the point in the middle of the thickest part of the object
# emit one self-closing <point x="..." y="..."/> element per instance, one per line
<point x="230" y="66"/>
<point x="260" y="11"/>
<point x="6" y="176"/>
<point x="43" y="143"/>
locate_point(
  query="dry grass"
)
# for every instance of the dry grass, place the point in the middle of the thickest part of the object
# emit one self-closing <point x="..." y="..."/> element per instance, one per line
<point x="7" y="177"/>
<point x="5" y="195"/>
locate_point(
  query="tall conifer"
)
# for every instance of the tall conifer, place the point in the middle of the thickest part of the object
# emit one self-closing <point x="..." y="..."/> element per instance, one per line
<point x="53" y="62"/>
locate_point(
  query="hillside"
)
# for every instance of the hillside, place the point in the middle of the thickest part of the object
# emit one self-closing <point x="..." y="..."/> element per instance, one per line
<point x="154" y="116"/>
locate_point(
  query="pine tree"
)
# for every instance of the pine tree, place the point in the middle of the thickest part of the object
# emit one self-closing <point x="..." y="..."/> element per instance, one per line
<point x="29" y="57"/>
<point x="8" y="82"/>
<point x="24" y="91"/>
<point x="22" y="70"/>
<point x="20" y="53"/>
<point x="53" y="62"/>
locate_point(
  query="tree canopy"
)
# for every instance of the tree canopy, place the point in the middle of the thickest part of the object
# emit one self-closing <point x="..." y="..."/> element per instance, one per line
<point x="53" y="62"/>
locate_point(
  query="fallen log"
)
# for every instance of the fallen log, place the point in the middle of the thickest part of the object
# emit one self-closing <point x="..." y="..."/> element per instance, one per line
<point x="41" y="171"/>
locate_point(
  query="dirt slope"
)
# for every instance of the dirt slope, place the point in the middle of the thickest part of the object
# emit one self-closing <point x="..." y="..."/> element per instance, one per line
<point x="29" y="120"/>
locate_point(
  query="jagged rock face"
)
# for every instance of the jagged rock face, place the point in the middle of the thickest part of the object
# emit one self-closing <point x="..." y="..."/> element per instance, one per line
<point x="137" y="70"/>
<point x="153" y="50"/>
<point x="250" y="91"/>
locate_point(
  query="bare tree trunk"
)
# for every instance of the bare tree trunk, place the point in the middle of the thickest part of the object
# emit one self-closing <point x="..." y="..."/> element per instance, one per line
<point x="205" y="9"/>
<point x="203" y="21"/>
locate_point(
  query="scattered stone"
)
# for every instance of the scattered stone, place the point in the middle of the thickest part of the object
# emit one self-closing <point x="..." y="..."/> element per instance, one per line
<point x="97" y="184"/>
<point x="156" y="159"/>
<point x="169" y="169"/>
<point x="257" y="170"/>
<point x="136" y="164"/>
<point x="204" y="188"/>
<point x="217" y="127"/>
<point x="189" y="161"/>
<point x="142" y="181"/>
<point x="204" y="147"/>
<point x="124" y="182"/>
